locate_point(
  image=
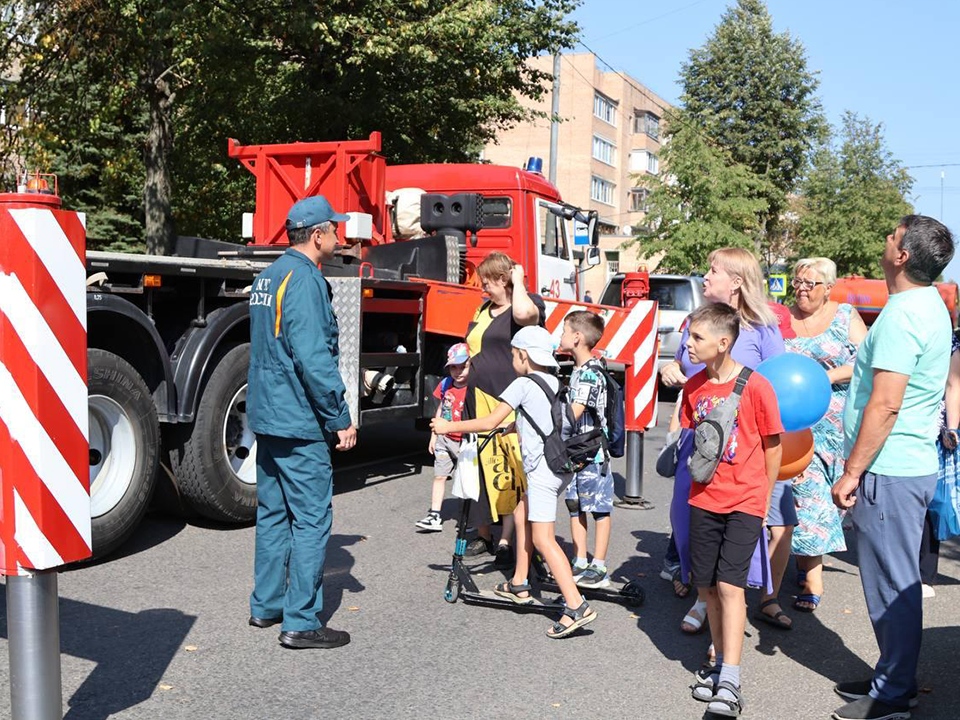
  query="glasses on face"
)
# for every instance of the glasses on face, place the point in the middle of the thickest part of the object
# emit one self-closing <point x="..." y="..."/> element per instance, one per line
<point x="806" y="284"/>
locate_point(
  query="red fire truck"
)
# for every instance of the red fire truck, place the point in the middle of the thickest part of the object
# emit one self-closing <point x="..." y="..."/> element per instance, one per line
<point x="169" y="335"/>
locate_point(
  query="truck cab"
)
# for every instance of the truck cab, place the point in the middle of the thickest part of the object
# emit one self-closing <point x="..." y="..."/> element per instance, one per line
<point x="517" y="205"/>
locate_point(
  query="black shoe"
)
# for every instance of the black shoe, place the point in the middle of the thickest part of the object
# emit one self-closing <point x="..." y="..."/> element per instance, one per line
<point x="860" y="689"/>
<point x="504" y="557"/>
<point x="478" y="546"/>
<point x="323" y="638"/>
<point x="866" y="708"/>
<point x="258" y="622"/>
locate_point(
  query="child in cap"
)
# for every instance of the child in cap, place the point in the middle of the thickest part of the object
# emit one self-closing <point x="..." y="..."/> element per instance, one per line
<point x="452" y="393"/>
<point x="532" y="349"/>
<point x="592" y="488"/>
<point x="727" y="511"/>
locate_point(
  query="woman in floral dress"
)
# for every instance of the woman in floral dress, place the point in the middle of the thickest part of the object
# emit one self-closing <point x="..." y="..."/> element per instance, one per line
<point x="830" y="333"/>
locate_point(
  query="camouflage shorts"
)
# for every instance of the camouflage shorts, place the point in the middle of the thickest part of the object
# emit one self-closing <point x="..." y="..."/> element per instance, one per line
<point x="593" y="489"/>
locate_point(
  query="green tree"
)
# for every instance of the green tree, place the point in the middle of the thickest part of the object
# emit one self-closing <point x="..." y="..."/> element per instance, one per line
<point x="132" y="102"/>
<point x="750" y="90"/>
<point x="703" y="202"/>
<point x="852" y="199"/>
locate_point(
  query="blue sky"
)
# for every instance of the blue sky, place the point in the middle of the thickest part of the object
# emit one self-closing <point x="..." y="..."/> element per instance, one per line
<point x="899" y="64"/>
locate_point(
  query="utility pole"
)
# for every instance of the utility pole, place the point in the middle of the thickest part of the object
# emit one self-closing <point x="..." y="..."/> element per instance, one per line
<point x="555" y="119"/>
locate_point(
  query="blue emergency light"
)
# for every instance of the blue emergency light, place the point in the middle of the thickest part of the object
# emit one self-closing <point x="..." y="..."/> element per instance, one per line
<point x="534" y="165"/>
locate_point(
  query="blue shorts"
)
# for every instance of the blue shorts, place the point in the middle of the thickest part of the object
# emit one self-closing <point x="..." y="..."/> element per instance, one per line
<point x="593" y="489"/>
<point x="782" y="510"/>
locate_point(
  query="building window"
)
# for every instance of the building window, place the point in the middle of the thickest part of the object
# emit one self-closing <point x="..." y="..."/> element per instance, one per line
<point x="605" y="109"/>
<point x="643" y="161"/>
<point x="638" y="200"/>
<point x="602" y="190"/>
<point x="647" y="123"/>
<point x="604" y="150"/>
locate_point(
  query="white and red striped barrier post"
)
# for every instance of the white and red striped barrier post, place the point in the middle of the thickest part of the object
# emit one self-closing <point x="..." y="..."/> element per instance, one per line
<point x="44" y="453"/>
<point x="631" y="338"/>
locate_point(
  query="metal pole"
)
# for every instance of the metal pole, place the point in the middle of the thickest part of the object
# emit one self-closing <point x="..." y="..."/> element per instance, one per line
<point x="942" y="173"/>
<point x="555" y="119"/>
<point x="633" y="485"/>
<point x="33" y="628"/>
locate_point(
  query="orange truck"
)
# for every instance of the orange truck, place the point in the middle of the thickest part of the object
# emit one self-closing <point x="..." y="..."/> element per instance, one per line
<point x="168" y="336"/>
<point x="869" y="296"/>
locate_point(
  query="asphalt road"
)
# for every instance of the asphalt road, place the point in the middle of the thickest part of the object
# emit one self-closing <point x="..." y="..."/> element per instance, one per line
<point x="159" y="630"/>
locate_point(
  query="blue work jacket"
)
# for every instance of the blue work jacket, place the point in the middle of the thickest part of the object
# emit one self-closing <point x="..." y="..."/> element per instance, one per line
<point x="294" y="385"/>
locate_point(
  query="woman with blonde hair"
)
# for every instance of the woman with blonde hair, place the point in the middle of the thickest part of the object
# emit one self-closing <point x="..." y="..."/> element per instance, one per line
<point x="829" y="332"/>
<point x="508" y="308"/>
<point x="735" y="278"/>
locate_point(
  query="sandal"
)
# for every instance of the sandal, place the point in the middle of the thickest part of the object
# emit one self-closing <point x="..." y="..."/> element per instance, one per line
<point x="776" y="619"/>
<point x="809" y="598"/>
<point x="696" y="618"/>
<point x="680" y="589"/>
<point x="733" y="707"/>
<point x="579" y="617"/>
<point x="512" y="592"/>
<point x="706" y="680"/>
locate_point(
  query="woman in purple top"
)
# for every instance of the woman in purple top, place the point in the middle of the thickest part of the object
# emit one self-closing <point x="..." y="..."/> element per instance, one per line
<point x="734" y="278"/>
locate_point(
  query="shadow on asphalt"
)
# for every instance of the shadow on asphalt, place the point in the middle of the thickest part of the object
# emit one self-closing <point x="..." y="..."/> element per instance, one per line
<point x="337" y="575"/>
<point x="131" y="650"/>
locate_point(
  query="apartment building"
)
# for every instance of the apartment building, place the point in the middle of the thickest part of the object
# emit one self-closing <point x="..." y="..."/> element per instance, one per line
<point x="610" y="135"/>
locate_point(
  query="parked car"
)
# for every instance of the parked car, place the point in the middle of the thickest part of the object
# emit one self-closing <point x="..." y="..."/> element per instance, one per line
<point x="676" y="295"/>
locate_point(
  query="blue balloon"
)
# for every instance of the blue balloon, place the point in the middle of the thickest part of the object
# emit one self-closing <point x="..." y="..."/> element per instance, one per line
<point x="802" y="388"/>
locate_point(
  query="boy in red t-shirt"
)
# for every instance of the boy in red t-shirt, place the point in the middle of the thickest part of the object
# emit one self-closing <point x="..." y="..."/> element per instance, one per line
<point x="726" y="515"/>
<point x="451" y="392"/>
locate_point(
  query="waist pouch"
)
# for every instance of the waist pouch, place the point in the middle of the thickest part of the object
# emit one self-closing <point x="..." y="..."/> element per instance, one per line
<point x="713" y="433"/>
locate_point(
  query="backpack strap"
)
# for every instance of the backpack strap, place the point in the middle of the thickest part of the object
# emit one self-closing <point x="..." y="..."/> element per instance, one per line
<point x="739" y="387"/>
<point x="551" y="398"/>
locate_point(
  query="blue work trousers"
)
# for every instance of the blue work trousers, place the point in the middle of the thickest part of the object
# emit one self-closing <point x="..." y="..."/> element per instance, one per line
<point x="294" y="515"/>
<point x="888" y="519"/>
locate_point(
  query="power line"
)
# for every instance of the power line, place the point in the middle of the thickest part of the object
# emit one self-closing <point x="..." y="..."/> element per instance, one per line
<point x="908" y="167"/>
<point x="650" y="20"/>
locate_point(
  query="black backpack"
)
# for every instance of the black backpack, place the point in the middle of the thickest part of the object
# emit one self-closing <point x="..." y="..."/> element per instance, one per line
<point x="616" y="415"/>
<point x="571" y="454"/>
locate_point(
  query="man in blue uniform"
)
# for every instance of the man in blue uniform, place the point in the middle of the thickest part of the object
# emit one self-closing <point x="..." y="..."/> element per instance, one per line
<point x="296" y="406"/>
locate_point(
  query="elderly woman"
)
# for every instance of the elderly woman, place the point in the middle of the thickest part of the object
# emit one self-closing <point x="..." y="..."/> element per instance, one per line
<point x="508" y="308"/>
<point x="830" y="333"/>
<point x="734" y="278"/>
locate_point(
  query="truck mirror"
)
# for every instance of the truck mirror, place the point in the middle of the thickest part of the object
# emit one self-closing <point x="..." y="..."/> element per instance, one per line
<point x="593" y="230"/>
<point x="593" y="256"/>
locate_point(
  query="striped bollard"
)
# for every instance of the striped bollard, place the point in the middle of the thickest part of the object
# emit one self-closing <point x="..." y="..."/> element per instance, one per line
<point x="44" y="453"/>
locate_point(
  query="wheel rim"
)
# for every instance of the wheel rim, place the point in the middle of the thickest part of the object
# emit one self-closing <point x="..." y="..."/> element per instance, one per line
<point x="239" y="442"/>
<point x="113" y="453"/>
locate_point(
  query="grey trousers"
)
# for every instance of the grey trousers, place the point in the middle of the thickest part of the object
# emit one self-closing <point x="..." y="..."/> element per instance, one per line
<point x="888" y="519"/>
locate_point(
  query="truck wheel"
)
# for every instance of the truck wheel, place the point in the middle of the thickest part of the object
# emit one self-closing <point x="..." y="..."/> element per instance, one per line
<point x="216" y="465"/>
<point x="124" y="448"/>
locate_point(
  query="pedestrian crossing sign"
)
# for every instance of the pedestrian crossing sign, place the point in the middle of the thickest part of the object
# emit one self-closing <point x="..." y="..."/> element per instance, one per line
<point x="778" y="285"/>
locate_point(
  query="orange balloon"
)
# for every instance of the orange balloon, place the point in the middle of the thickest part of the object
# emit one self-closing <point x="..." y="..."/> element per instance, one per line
<point x="797" y="453"/>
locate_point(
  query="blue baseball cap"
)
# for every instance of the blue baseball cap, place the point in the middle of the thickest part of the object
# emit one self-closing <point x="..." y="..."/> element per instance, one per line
<point x="312" y="211"/>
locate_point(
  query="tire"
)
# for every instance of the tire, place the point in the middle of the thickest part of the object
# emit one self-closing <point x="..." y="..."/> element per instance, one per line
<point x="124" y="449"/>
<point x="215" y="462"/>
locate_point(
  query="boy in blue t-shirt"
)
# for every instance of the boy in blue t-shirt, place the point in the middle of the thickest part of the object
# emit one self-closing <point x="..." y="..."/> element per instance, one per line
<point x="592" y="488"/>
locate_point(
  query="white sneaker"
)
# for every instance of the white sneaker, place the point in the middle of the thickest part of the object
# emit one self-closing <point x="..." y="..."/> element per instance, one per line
<point x="928" y="591"/>
<point x="431" y="523"/>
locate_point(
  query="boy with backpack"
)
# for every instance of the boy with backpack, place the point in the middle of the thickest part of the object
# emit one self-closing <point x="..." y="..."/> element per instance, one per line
<point x="592" y="488"/>
<point x="549" y="459"/>
<point x="451" y="392"/>
<point x="734" y="465"/>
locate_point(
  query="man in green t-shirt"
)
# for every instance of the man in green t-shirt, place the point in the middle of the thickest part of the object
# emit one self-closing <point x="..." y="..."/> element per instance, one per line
<point x="890" y="428"/>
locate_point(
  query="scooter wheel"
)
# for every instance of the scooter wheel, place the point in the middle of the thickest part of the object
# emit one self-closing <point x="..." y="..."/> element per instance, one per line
<point x="634" y="594"/>
<point x="452" y="591"/>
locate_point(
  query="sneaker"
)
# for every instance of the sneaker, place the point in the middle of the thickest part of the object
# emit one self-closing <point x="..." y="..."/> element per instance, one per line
<point x="577" y="570"/>
<point x="503" y="558"/>
<point x="431" y="523"/>
<point x="861" y="689"/>
<point x="478" y="546"/>
<point x="928" y="591"/>
<point x="867" y="708"/>
<point x="594" y="577"/>
<point x="670" y="571"/>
